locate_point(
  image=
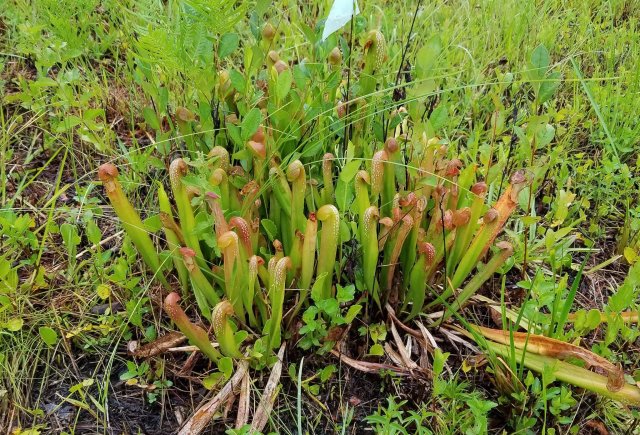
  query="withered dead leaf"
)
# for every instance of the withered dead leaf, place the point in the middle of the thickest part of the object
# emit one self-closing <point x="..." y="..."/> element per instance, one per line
<point x="159" y="346"/>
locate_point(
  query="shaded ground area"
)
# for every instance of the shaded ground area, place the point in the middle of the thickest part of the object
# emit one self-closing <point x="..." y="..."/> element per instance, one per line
<point x="348" y="398"/>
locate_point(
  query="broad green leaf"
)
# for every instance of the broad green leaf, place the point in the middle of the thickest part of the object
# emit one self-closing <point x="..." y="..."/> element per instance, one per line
<point x="344" y="195"/>
<point x="212" y="380"/>
<point x="353" y="311"/>
<point x="69" y="122"/>
<point x="350" y="170"/>
<point x="103" y="291"/>
<point x="544" y="135"/>
<point x="376" y="350"/>
<point x="151" y="118"/>
<point x="580" y="320"/>
<point x="285" y="78"/>
<point x="563" y="202"/>
<point x="540" y="59"/>
<point x="94" y="234"/>
<point x="237" y="81"/>
<point x="633" y="278"/>
<point x="270" y="227"/>
<point x="326" y="372"/>
<point x="48" y="335"/>
<point x="593" y="319"/>
<point x="300" y="76"/>
<point x="427" y="56"/>
<point x="439" y="359"/>
<point x="548" y="87"/>
<point x="225" y="365"/>
<point x="316" y="289"/>
<point x="439" y="116"/>
<point x="240" y="336"/>
<point x="630" y="254"/>
<point x="330" y="307"/>
<point x="234" y="133"/>
<point x="153" y="223"/>
<point x="250" y="123"/>
<point x="429" y="180"/>
<point x="345" y="232"/>
<point x="70" y="238"/>
<point x="622" y="299"/>
<point x="14" y="324"/>
<point x="530" y="220"/>
<point x="228" y="44"/>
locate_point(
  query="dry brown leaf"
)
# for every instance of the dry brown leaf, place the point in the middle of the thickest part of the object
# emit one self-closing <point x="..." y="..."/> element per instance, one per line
<point x="159" y="346"/>
<point x="261" y="417"/>
<point x="402" y="350"/>
<point x="394" y="318"/>
<point x="335" y="334"/>
<point x="546" y="346"/>
<point x="202" y="417"/>
<point x="189" y="363"/>
<point x="427" y="335"/>
<point x="425" y="347"/>
<point x="369" y="367"/>
<point x="230" y="401"/>
<point x="393" y="355"/>
<point x="596" y="427"/>
<point x="354" y="401"/>
<point x="243" y="404"/>
<point x="457" y="339"/>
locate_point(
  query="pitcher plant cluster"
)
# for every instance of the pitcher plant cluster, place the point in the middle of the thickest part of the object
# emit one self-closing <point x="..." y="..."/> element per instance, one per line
<point x="423" y="236"/>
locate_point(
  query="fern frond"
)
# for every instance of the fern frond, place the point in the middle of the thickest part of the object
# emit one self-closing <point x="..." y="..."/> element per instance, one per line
<point x="221" y="15"/>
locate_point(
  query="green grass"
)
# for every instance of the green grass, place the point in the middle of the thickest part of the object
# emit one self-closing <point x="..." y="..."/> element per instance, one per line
<point x="77" y="90"/>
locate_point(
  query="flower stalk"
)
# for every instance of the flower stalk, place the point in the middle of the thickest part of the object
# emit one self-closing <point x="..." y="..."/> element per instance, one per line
<point x="540" y="353"/>
<point x="362" y="181"/>
<point x="220" y="179"/>
<point x="219" y="221"/>
<point x="506" y="205"/>
<point x="253" y="287"/>
<point x="466" y="231"/>
<point x="461" y="222"/>
<point x="571" y="374"/>
<point x="389" y="176"/>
